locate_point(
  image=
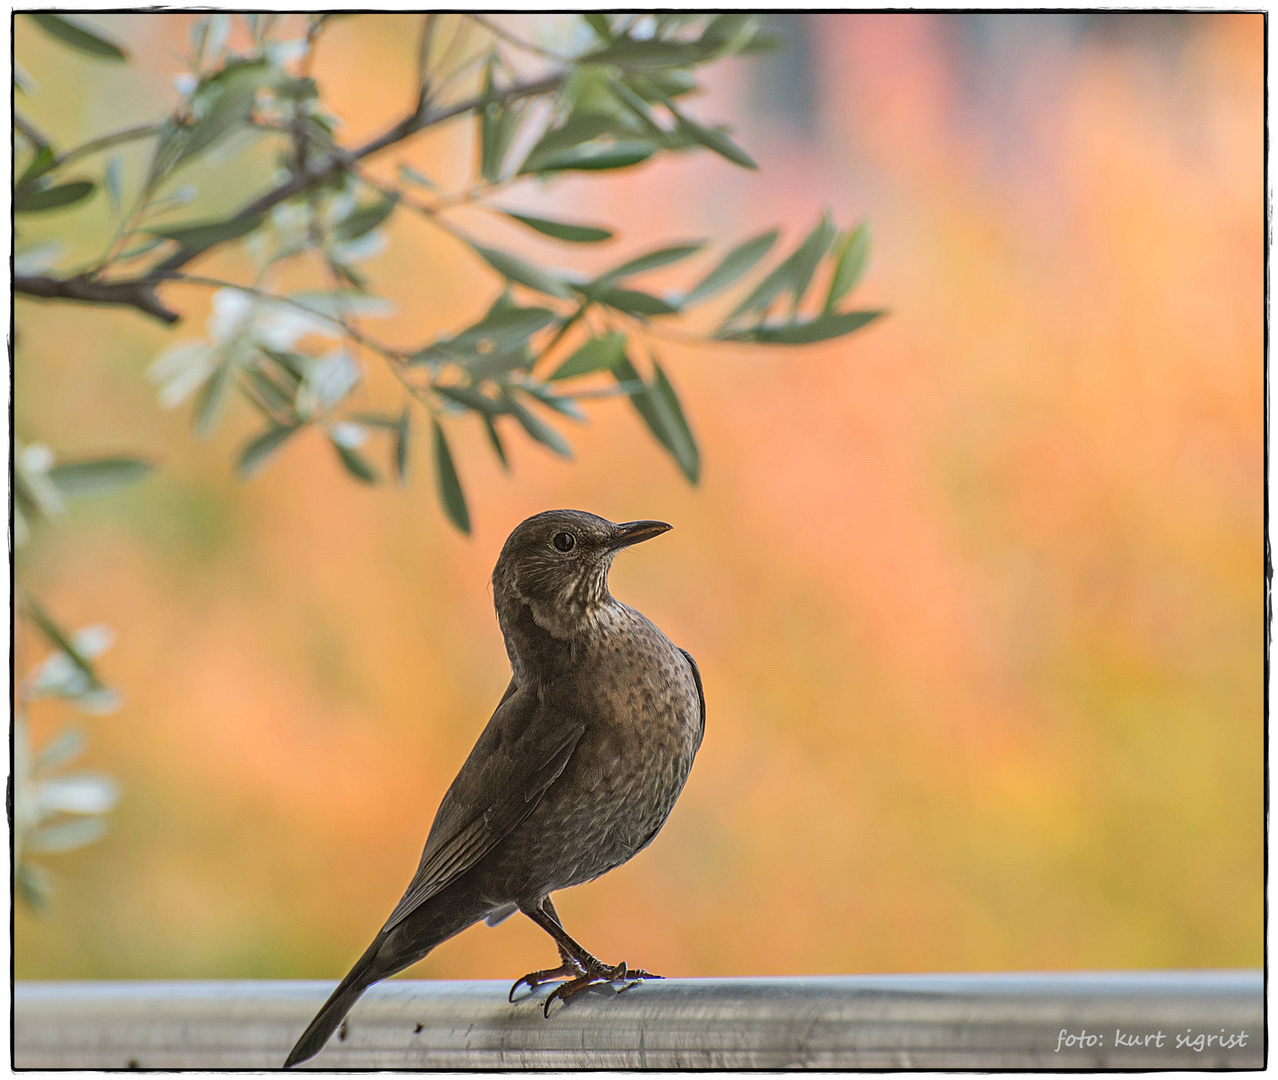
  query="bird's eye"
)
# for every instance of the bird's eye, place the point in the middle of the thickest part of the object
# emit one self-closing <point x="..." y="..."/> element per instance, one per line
<point x="565" y="541"/>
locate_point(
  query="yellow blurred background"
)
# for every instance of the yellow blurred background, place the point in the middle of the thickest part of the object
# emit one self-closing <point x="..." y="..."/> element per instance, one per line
<point x="976" y="592"/>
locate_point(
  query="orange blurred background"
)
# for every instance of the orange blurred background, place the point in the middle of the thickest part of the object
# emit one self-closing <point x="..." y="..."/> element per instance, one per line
<point x="976" y="592"/>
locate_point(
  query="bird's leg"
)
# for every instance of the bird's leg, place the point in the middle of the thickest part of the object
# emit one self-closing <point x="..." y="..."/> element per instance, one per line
<point x="591" y="971"/>
<point x="571" y="968"/>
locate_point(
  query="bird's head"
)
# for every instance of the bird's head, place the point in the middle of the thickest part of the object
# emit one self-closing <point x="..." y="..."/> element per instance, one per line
<point x="556" y="564"/>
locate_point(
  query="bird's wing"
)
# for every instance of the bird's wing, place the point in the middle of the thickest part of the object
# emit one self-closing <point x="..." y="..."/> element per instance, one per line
<point x="520" y="754"/>
<point x="701" y="694"/>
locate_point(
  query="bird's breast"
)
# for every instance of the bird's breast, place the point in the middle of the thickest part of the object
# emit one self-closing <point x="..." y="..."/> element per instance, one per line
<point x="635" y="693"/>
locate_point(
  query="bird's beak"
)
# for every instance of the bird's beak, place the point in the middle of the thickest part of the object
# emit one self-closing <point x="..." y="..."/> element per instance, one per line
<point x="635" y="532"/>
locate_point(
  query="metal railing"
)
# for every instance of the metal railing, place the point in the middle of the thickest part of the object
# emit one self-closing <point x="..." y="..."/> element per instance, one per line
<point x="1151" y="1020"/>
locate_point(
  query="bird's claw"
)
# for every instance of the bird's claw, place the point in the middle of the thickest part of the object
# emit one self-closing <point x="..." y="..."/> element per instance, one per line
<point x="566" y="970"/>
<point x="602" y="975"/>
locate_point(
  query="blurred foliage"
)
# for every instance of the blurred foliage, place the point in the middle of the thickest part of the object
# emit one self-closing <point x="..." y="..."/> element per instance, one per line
<point x="977" y="594"/>
<point x="297" y="356"/>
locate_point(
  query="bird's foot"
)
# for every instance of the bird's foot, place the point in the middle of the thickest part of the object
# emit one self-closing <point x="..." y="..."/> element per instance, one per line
<point x="569" y="969"/>
<point x="597" y="976"/>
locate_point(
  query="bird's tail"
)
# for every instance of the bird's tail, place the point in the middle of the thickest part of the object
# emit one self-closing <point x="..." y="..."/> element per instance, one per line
<point x="357" y="980"/>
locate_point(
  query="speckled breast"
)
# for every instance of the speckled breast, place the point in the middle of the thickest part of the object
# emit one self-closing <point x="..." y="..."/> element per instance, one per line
<point x="639" y="698"/>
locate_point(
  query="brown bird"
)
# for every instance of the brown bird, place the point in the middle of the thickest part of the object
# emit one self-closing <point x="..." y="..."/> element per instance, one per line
<point x="576" y="771"/>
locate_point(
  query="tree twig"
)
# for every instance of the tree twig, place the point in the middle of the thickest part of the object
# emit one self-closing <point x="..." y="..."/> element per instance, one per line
<point x="140" y="293"/>
<point x="134" y="292"/>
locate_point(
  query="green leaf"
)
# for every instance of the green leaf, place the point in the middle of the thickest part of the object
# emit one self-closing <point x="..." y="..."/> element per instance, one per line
<point x="410" y="174"/>
<point x="450" y="489"/>
<point x="41" y="162"/>
<point x="364" y="219"/>
<point x="681" y="443"/>
<point x="536" y="427"/>
<point x="561" y="230"/>
<point x="198" y="236"/>
<point x="561" y="403"/>
<point x="355" y="463"/>
<point x="634" y="302"/>
<point x="225" y="99"/>
<point x="821" y="328"/>
<point x="522" y="272"/>
<point x="714" y="139"/>
<point x="597" y="354"/>
<point x="632" y="55"/>
<point x="402" y="435"/>
<point x="81" y="37"/>
<point x="595" y="156"/>
<point x="849" y="265"/>
<point x="112" y="181"/>
<point x="101" y="476"/>
<point x="495" y="440"/>
<point x="649" y="261"/>
<point x="786" y="275"/>
<point x="494" y="365"/>
<point x="808" y="256"/>
<point x="379" y="420"/>
<point x="33" y="885"/>
<point x="262" y="448"/>
<point x="497" y="126"/>
<point x="501" y="329"/>
<point x="471" y="398"/>
<point x="60" y="640"/>
<point x="598" y="22"/>
<point x="211" y="402"/>
<point x="52" y="198"/>
<point x="653" y="403"/>
<point x="736" y="264"/>
<point x="580" y="127"/>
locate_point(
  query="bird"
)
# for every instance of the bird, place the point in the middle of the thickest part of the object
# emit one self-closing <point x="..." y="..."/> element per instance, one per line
<point x="575" y="773"/>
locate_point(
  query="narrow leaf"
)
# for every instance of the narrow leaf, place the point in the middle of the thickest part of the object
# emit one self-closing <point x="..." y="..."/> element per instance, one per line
<point x="716" y="140"/>
<point x="212" y="397"/>
<point x="562" y="230"/>
<point x="598" y="22"/>
<point x="736" y="264"/>
<point x="595" y="156"/>
<point x="559" y="402"/>
<point x="112" y="181"/>
<point x="52" y="198"/>
<point x="682" y="445"/>
<point x="632" y="55"/>
<point x="806" y="259"/>
<point x="491" y="428"/>
<point x="197" y="237"/>
<point x="634" y="302"/>
<point x="523" y="272"/>
<point x="364" y="219"/>
<point x="81" y="37"/>
<point x="597" y="354"/>
<point x="354" y="462"/>
<point x="59" y="639"/>
<point x="822" y="328"/>
<point x="501" y="329"/>
<point x="849" y="265"/>
<point x="414" y="177"/>
<point x="537" y="428"/>
<point x="471" y="398"/>
<point x="262" y="448"/>
<point x="102" y="476"/>
<point x="650" y="261"/>
<point x="402" y="434"/>
<point x="450" y="489"/>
